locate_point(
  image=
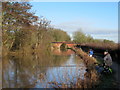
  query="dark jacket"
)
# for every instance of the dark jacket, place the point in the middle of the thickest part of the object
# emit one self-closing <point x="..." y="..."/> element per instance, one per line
<point x="108" y="60"/>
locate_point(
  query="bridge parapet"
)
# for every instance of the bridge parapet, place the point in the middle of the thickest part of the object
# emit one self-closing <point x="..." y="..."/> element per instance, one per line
<point x="69" y="44"/>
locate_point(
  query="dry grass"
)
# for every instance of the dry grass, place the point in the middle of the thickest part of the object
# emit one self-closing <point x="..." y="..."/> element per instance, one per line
<point x="89" y="62"/>
<point x="105" y="46"/>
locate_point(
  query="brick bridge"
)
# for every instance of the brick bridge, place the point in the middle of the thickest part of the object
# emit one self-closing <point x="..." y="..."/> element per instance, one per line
<point x="68" y="44"/>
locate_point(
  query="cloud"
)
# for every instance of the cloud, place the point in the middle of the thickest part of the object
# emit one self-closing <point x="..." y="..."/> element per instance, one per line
<point x="89" y="27"/>
<point x="71" y="26"/>
<point x="113" y="37"/>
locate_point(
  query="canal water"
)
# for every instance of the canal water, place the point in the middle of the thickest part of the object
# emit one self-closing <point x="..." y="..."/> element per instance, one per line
<point x="41" y="70"/>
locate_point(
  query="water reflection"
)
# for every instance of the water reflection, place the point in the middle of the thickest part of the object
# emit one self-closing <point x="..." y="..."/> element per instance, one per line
<point x="36" y="70"/>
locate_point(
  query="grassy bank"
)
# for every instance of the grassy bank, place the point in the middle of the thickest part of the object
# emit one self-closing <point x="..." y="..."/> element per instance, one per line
<point x="89" y="62"/>
<point x="101" y="81"/>
<point x="91" y="77"/>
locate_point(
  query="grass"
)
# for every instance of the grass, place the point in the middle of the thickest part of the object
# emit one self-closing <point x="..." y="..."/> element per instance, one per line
<point x="107" y="81"/>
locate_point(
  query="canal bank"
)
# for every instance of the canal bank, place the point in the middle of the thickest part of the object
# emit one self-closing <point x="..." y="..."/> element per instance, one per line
<point x="108" y="81"/>
<point x="91" y="75"/>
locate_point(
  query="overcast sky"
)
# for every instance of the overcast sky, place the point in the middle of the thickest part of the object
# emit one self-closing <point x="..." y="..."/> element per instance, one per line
<point x="98" y="19"/>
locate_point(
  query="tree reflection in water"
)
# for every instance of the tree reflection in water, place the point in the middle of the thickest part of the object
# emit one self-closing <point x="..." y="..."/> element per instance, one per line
<point x="36" y="70"/>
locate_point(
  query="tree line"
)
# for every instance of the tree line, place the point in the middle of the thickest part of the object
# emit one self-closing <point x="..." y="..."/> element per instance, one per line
<point x="80" y="37"/>
<point x="22" y="30"/>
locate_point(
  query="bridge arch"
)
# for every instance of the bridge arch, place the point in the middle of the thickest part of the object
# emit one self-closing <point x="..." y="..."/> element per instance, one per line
<point x="63" y="46"/>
